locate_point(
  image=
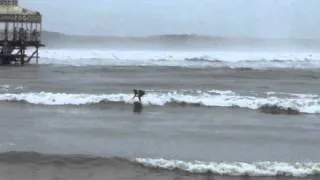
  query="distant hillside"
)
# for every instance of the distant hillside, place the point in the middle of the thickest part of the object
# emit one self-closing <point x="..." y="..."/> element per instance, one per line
<point x="172" y="41"/>
<point x="48" y="34"/>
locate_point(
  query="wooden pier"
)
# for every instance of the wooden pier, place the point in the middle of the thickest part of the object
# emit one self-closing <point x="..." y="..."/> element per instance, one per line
<point x="20" y="33"/>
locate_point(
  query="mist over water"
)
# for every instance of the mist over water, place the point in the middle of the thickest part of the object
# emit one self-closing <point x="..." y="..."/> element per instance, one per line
<point x="239" y="25"/>
<point x="288" y="19"/>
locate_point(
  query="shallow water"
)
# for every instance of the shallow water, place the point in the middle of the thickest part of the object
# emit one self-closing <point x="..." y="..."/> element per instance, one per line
<point x="190" y="114"/>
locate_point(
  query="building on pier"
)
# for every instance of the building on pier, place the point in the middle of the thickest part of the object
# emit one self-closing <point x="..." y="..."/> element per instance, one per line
<point x="20" y="33"/>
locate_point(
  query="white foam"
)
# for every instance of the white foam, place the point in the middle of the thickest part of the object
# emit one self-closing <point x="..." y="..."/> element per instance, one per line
<point x="4" y="87"/>
<point x="305" y="104"/>
<point x="7" y="87"/>
<point x="181" y="58"/>
<point x="237" y="168"/>
<point x="293" y="94"/>
<point x="48" y="98"/>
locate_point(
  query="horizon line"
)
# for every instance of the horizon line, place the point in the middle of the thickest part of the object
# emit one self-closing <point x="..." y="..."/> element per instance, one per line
<point x="181" y="34"/>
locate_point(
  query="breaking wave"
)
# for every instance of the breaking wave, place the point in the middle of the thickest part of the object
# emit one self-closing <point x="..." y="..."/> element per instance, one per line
<point x="304" y="103"/>
<point x="256" y="60"/>
<point x="96" y="163"/>
<point x="237" y="168"/>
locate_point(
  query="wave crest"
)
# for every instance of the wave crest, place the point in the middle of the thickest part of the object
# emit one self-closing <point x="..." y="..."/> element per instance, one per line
<point x="90" y="162"/>
<point x="237" y="168"/>
<point x="303" y="103"/>
<point x="274" y="109"/>
<point x="190" y="59"/>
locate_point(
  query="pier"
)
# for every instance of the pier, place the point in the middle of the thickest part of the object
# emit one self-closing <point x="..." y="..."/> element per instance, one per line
<point x="20" y="33"/>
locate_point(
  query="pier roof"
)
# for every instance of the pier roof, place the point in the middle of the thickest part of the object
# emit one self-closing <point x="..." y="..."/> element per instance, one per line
<point x="15" y="10"/>
<point x="11" y="11"/>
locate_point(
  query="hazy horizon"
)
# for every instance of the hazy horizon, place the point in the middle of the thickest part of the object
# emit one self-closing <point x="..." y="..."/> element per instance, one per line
<point x="229" y="18"/>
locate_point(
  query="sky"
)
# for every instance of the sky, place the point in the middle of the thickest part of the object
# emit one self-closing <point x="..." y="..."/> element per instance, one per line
<point x="229" y="18"/>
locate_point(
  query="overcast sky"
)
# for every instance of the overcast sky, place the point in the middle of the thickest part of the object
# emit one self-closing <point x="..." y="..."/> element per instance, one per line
<point x="245" y="18"/>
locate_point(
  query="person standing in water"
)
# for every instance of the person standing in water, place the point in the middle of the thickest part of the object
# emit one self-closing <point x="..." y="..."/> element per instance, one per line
<point x="139" y="94"/>
<point x="137" y="105"/>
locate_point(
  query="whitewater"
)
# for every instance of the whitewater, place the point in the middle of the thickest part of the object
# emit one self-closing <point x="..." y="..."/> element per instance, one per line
<point x="305" y="103"/>
<point x="190" y="59"/>
<point x="237" y="168"/>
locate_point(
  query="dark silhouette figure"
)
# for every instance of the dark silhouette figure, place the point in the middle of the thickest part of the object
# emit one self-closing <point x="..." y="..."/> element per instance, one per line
<point x="137" y="105"/>
<point x="139" y="94"/>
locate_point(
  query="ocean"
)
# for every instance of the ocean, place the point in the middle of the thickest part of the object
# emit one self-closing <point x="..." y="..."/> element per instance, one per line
<point x="222" y="115"/>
